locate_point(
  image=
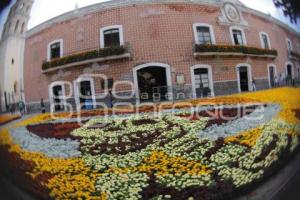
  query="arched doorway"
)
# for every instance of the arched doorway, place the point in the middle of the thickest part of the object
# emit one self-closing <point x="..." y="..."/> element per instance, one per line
<point x="272" y="74"/>
<point x="84" y="93"/>
<point x="202" y="81"/>
<point x="57" y="96"/>
<point x="289" y="73"/>
<point x="152" y="82"/>
<point x="289" y="70"/>
<point x="244" y="77"/>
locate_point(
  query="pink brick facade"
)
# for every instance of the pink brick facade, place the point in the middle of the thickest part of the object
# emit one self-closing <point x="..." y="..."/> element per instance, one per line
<point x="160" y="33"/>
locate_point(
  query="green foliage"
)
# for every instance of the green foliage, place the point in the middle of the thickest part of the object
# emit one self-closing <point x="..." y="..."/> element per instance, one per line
<point x="234" y="49"/>
<point x="100" y="53"/>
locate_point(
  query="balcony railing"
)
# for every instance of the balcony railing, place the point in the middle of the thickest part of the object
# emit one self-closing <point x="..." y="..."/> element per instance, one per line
<point x="233" y="50"/>
<point x="293" y="55"/>
<point x="99" y="55"/>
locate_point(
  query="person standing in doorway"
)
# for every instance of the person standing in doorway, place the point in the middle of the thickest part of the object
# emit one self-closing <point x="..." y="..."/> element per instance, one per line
<point x="43" y="108"/>
<point x="276" y="81"/>
<point x="253" y="85"/>
<point x="21" y="106"/>
<point x="110" y="99"/>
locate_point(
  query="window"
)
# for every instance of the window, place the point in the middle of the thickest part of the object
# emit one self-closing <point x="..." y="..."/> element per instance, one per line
<point x="110" y="83"/>
<point x="22" y="27"/>
<point x="111" y="36"/>
<point x="55" y="49"/>
<point x="289" y="45"/>
<point x="265" y="41"/>
<point x="204" y="34"/>
<point x="8" y="28"/>
<point x="237" y="36"/>
<point x="17" y="26"/>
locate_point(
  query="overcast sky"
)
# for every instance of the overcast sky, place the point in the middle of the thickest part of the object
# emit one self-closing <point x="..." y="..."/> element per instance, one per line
<point x="46" y="9"/>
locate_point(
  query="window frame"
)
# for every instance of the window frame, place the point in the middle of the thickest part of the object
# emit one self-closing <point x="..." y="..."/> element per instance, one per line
<point x="288" y="40"/>
<point x="243" y="35"/>
<point x="103" y="29"/>
<point x="211" y="31"/>
<point x="61" y="41"/>
<point x="262" y="41"/>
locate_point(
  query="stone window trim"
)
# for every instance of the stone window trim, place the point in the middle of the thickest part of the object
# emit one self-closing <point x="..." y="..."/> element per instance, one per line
<point x="211" y="30"/>
<point x="289" y="44"/>
<point x="61" y="41"/>
<point x="261" y="34"/>
<point x="232" y="28"/>
<point x="103" y="29"/>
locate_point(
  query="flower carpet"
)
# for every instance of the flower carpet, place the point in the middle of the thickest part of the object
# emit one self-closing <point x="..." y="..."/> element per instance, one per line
<point x="219" y="149"/>
<point x="6" y="118"/>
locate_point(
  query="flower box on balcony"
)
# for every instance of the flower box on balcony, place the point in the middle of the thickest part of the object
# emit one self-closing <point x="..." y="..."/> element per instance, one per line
<point x="233" y="50"/>
<point x="100" y="55"/>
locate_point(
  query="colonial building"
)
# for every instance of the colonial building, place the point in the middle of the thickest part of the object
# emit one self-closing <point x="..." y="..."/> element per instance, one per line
<point x="12" y="54"/>
<point x="169" y="50"/>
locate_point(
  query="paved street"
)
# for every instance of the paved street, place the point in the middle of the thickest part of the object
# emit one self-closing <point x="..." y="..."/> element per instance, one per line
<point x="291" y="190"/>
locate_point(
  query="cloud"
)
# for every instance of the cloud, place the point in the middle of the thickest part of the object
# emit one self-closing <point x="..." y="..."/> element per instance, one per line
<point x="44" y="10"/>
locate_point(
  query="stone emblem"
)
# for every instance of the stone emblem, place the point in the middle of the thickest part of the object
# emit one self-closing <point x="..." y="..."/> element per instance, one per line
<point x="232" y="12"/>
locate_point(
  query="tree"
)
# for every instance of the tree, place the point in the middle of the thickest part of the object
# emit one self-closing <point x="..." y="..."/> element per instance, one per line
<point x="4" y="4"/>
<point x="290" y="8"/>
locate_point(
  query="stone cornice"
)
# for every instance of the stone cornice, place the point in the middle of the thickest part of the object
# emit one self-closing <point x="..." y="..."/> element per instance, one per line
<point x="123" y="3"/>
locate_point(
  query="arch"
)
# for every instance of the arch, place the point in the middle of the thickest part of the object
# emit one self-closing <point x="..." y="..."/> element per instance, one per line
<point x="292" y="68"/>
<point x="210" y="77"/>
<point x="249" y="74"/>
<point x="152" y="64"/>
<point x="17" y="25"/>
<point x="271" y="82"/>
